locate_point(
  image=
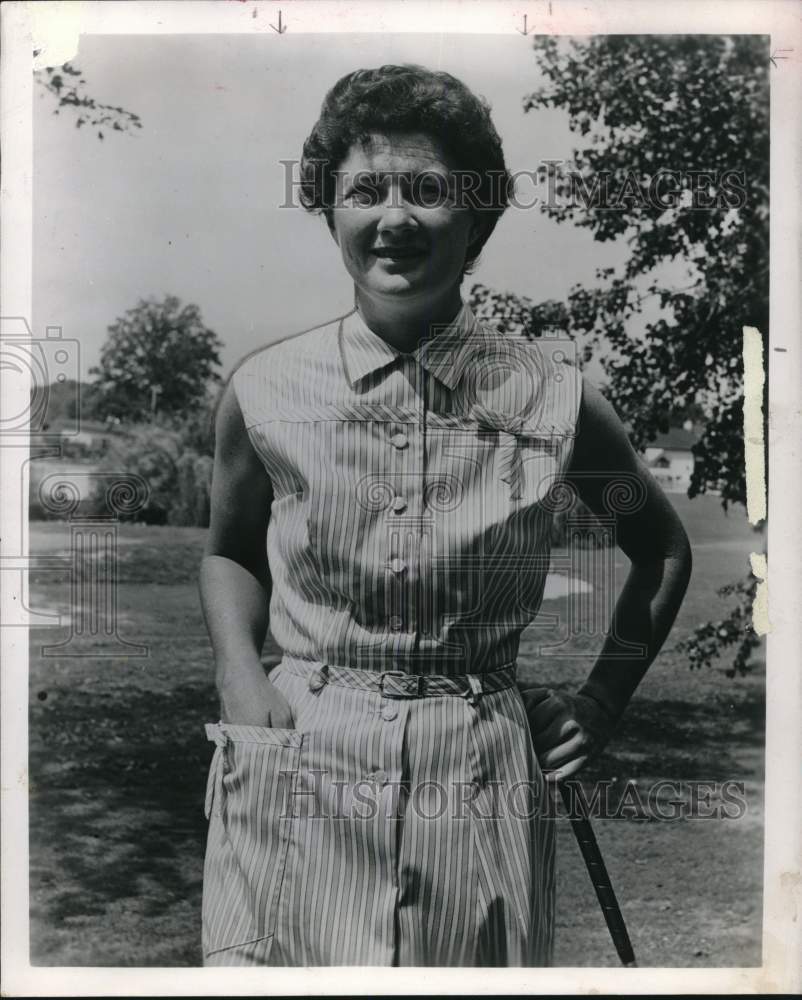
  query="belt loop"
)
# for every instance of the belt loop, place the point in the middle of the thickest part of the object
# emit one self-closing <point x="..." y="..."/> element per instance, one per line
<point x="319" y="678"/>
<point x="217" y="734"/>
<point x="476" y="688"/>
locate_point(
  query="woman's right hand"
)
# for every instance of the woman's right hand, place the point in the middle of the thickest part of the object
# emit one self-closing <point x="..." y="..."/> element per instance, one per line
<point x="247" y="699"/>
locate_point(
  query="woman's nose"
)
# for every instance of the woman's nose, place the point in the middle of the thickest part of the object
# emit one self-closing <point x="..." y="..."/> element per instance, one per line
<point x="396" y="211"/>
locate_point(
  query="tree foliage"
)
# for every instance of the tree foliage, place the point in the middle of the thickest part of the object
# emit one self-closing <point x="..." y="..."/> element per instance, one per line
<point x="517" y="314"/>
<point x="708" y="640"/>
<point x="178" y="477"/>
<point x="674" y="158"/>
<point x="159" y="357"/>
<point x="67" y="84"/>
<point x="67" y="403"/>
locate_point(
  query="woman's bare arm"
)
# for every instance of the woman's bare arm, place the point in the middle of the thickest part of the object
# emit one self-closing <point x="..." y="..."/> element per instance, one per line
<point x="652" y="537"/>
<point x="569" y="730"/>
<point x="235" y="580"/>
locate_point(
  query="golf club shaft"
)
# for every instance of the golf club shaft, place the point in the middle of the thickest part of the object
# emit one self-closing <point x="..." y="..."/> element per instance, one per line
<point x="574" y="802"/>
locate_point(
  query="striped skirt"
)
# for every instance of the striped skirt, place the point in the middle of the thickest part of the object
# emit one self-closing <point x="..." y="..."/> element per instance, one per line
<point x="381" y="830"/>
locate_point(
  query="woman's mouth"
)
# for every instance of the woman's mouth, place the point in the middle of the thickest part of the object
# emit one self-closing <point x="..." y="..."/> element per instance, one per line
<point x="398" y="253"/>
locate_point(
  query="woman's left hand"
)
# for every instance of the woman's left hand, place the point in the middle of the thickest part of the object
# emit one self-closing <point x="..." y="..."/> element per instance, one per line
<point x="567" y="729"/>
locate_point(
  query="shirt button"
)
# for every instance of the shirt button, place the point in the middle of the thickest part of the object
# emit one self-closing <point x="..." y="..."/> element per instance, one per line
<point x="399" y="505"/>
<point x="389" y="711"/>
<point x="398" y="565"/>
<point x="399" y="440"/>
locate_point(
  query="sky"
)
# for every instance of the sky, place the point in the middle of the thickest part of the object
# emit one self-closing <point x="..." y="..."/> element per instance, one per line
<point x="189" y="205"/>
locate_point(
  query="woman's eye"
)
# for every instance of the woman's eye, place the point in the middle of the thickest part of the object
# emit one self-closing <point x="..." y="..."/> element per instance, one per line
<point x="363" y="194"/>
<point x="430" y="190"/>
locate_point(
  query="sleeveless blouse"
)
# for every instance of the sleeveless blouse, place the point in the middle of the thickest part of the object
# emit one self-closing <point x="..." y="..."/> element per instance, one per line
<point x="413" y="493"/>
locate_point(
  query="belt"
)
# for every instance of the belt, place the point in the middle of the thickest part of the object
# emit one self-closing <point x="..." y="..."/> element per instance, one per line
<point x="397" y="684"/>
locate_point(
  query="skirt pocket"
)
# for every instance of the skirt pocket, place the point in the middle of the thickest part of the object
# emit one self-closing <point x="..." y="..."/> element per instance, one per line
<point x="248" y="803"/>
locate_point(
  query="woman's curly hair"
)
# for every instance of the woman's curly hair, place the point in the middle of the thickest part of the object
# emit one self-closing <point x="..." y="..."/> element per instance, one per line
<point x="409" y="98"/>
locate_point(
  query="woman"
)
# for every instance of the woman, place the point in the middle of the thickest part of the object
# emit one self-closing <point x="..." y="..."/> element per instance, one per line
<point x="380" y="797"/>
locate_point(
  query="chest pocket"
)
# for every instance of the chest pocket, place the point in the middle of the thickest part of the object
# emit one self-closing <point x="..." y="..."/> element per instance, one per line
<point x="526" y="459"/>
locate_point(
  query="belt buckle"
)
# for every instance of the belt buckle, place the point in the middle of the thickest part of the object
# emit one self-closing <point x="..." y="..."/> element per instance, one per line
<point x="403" y="677"/>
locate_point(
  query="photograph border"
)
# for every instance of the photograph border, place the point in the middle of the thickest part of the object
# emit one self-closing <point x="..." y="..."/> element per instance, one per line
<point x="52" y="30"/>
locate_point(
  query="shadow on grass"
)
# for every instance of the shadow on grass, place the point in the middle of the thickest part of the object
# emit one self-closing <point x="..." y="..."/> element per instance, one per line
<point x="116" y="814"/>
<point x="681" y="740"/>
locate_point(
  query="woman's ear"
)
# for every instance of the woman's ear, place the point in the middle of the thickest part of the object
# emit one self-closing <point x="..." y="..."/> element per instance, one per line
<point x="477" y="229"/>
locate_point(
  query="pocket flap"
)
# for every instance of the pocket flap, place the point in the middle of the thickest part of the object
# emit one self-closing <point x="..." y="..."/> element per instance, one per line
<point x="257" y="734"/>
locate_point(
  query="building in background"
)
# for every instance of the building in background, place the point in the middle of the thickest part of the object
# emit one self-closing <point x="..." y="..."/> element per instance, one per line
<point x="670" y="458"/>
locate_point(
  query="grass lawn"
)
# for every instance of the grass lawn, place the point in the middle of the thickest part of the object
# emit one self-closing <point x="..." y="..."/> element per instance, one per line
<point x="118" y="762"/>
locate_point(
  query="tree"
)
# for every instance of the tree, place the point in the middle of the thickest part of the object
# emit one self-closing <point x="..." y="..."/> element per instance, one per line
<point x="674" y="159"/>
<point x="67" y="84"/>
<point x="517" y="314"/>
<point x="158" y="358"/>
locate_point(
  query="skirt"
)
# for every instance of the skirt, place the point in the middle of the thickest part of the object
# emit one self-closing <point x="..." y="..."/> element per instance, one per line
<point x="389" y="827"/>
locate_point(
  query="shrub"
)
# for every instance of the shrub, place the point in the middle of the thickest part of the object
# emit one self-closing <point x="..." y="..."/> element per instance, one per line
<point x="59" y="490"/>
<point x="177" y="478"/>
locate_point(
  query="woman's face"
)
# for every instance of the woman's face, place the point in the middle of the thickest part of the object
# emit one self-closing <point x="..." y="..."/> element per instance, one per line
<point x="399" y="230"/>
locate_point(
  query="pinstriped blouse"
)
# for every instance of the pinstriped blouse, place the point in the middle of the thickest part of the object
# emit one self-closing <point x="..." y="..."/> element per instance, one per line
<point x="410" y="522"/>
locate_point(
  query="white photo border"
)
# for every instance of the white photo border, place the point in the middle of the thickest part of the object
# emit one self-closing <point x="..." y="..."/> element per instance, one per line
<point x="53" y="28"/>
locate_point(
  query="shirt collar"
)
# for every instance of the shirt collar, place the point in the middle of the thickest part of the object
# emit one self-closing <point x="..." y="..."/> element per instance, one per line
<point x="444" y="355"/>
